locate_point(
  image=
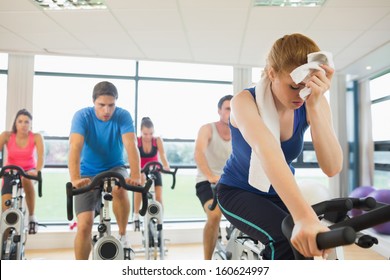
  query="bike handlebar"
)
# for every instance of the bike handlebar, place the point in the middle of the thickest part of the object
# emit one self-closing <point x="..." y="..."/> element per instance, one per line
<point x="342" y="232"/>
<point x="98" y="182"/>
<point x="21" y="172"/>
<point x="156" y="166"/>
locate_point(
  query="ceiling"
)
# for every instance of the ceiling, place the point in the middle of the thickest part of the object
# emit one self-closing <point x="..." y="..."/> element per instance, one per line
<point x="227" y="32"/>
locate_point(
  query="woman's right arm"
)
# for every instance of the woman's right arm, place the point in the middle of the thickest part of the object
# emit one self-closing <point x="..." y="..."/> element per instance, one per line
<point x="161" y="153"/>
<point x="4" y="138"/>
<point x="246" y="118"/>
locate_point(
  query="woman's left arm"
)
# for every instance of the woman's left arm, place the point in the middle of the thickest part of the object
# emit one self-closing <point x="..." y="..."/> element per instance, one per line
<point x="161" y="153"/>
<point x="326" y="144"/>
<point x="40" y="147"/>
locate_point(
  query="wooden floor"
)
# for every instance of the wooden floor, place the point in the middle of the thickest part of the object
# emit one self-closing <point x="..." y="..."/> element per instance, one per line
<point x="189" y="252"/>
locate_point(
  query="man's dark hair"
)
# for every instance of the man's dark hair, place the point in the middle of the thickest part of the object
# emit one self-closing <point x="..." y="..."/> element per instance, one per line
<point x="223" y="99"/>
<point x="104" y="88"/>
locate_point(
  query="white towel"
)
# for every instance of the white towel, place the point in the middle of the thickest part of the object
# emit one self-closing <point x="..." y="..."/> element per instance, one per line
<point x="302" y="73"/>
<point x="267" y="110"/>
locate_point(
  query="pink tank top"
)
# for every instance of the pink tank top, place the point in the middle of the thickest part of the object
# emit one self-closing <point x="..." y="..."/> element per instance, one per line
<point x="23" y="157"/>
<point x="148" y="157"/>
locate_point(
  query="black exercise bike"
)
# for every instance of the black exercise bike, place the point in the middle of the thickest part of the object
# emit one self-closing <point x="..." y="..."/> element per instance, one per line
<point x="343" y="229"/>
<point x="13" y="227"/>
<point x="105" y="245"/>
<point x="152" y="231"/>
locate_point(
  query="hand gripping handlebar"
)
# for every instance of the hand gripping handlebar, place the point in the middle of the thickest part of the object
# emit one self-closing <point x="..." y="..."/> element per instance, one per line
<point x="9" y="168"/>
<point x="98" y="182"/>
<point x="154" y="166"/>
<point x="343" y="230"/>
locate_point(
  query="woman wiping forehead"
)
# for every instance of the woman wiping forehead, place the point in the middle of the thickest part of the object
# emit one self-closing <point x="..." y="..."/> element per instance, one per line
<point x="268" y="123"/>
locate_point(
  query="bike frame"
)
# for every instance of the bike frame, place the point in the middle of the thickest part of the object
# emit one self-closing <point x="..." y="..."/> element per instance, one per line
<point x="13" y="228"/>
<point x="153" y="228"/>
<point x="106" y="246"/>
<point x="153" y="234"/>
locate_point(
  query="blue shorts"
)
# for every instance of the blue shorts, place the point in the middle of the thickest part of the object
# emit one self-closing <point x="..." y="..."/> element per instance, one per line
<point x="260" y="217"/>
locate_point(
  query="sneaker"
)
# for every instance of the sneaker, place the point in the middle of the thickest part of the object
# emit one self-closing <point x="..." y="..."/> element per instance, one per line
<point x="136" y="225"/>
<point x="32" y="227"/>
<point x="124" y="241"/>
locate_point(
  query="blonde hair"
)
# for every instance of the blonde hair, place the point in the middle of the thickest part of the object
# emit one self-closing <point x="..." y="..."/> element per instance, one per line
<point x="289" y="52"/>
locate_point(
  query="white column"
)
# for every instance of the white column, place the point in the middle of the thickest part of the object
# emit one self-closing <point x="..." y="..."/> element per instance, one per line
<point x="242" y="78"/>
<point x="366" y="143"/>
<point x="19" y="86"/>
<point x="337" y="98"/>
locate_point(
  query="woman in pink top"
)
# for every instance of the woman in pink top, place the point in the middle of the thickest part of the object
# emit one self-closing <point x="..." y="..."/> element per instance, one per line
<point x="151" y="149"/>
<point x="24" y="149"/>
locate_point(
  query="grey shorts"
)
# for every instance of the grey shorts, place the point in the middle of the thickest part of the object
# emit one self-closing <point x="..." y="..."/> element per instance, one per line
<point x="91" y="201"/>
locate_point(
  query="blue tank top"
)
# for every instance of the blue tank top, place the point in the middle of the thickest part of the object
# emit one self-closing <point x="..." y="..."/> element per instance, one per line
<point x="236" y="170"/>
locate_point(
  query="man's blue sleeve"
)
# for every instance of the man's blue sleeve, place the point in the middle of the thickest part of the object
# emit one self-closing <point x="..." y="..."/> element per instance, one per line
<point x="126" y="122"/>
<point x="78" y="123"/>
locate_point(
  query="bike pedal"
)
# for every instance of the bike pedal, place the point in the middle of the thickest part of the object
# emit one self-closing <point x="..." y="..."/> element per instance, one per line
<point x="16" y="238"/>
<point x="136" y="225"/>
<point x="129" y="254"/>
<point x="94" y="239"/>
<point x="32" y="227"/>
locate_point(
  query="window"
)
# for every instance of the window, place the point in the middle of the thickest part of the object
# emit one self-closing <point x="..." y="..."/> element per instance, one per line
<point x="178" y="97"/>
<point x="3" y="61"/>
<point x="178" y="109"/>
<point x="256" y="74"/>
<point x="185" y="71"/>
<point x="57" y="98"/>
<point x="380" y="99"/>
<point x="83" y="65"/>
<point x="380" y="87"/>
<point x="63" y="85"/>
<point x="380" y="113"/>
<point x="380" y="104"/>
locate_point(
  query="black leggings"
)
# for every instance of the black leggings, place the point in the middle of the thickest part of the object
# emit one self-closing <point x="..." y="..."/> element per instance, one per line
<point x="260" y="217"/>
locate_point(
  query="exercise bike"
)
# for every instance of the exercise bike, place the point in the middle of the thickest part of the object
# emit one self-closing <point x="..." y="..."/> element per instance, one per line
<point x="239" y="246"/>
<point x="152" y="230"/>
<point x="106" y="246"/>
<point x="343" y="229"/>
<point x="13" y="224"/>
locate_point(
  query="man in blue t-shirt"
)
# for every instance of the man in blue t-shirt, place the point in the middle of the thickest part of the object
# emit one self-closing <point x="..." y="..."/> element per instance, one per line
<point x="97" y="138"/>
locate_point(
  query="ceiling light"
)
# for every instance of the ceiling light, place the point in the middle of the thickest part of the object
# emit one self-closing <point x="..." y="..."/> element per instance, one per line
<point x="70" y="4"/>
<point x="288" y="3"/>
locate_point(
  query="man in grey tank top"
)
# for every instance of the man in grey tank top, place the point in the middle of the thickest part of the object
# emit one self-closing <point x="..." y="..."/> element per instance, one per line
<point x="212" y="149"/>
